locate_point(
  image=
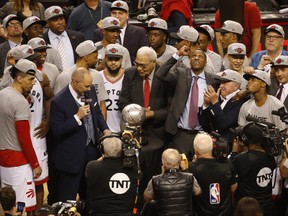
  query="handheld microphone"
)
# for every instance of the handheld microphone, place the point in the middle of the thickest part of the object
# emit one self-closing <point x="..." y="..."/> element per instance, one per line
<point x="253" y="119"/>
<point x="85" y="99"/>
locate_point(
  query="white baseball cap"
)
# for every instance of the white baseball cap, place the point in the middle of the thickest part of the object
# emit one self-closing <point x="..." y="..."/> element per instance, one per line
<point x="86" y="47"/>
<point x="260" y="75"/>
<point x="32" y="20"/>
<point x="52" y="12"/>
<point x="236" y="49"/>
<point x="157" y="23"/>
<point x="231" y="26"/>
<point x="207" y="30"/>
<point x="110" y="23"/>
<point x="276" y="28"/>
<point x="186" y="32"/>
<point x="229" y="75"/>
<point x="119" y="5"/>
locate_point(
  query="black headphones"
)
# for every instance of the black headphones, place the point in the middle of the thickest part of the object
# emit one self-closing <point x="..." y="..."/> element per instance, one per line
<point x="100" y="141"/>
<point x="243" y="136"/>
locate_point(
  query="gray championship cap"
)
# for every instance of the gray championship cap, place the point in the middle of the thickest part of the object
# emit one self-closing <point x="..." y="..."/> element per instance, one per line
<point x="110" y="23"/>
<point x="86" y="47"/>
<point x="275" y="28"/>
<point x="259" y="74"/>
<point x="231" y="26"/>
<point x="229" y="75"/>
<point x="186" y="32"/>
<point x="38" y="43"/>
<point x="32" y="20"/>
<point x="9" y="18"/>
<point x="120" y="5"/>
<point x="236" y="49"/>
<point x="114" y="50"/>
<point x="26" y="66"/>
<point x="53" y="12"/>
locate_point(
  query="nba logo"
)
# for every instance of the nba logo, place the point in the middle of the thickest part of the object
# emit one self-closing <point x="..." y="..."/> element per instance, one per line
<point x="214" y="192"/>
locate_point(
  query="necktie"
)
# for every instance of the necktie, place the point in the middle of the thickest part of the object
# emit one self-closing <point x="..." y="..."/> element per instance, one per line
<point x="280" y="92"/>
<point x="193" y="111"/>
<point x="146" y="92"/>
<point x="61" y="50"/>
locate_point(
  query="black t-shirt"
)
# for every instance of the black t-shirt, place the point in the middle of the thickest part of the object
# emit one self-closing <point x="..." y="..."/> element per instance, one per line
<point x="215" y="179"/>
<point x="111" y="189"/>
<point x="255" y="169"/>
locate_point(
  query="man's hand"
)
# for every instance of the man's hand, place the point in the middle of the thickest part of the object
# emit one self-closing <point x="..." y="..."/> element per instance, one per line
<point x="249" y="70"/>
<point x="37" y="172"/>
<point x="10" y="59"/>
<point x="265" y="60"/>
<point x="212" y="95"/>
<point x="149" y="113"/>
<point x="183" y="51"/>
<point x="107" y="132"/>
<point x="42" y="130"/>
<point x="83" y="111"/>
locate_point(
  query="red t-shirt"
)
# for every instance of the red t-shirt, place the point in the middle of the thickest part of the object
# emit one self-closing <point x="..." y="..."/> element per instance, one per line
<point x="252" y="20"/>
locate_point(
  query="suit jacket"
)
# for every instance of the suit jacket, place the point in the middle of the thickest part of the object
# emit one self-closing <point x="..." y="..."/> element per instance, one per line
<point x="132" y="92"/>
<point x="222" y="120"/>
<point x="69" y="137"/>
<point x="180" y="79"/>
<point x="4" y="47"/>
<point x="75" y="38"/>
<point x="134" y="38"/>
<point x="273" y="88"/>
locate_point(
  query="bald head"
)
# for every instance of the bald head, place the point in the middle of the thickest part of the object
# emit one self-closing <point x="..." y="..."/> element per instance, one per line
<point x="81" y="80"/>
<point x="171" y="159"/>
<point x="203" y="145"/>
<point x="79" y="73"/>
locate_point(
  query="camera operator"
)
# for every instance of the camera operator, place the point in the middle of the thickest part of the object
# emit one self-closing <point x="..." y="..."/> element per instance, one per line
<point x="254" y="168"/>
<point x="111" y="188"/>
<point x="216" y="178"/>
<point x="172" y="190"/>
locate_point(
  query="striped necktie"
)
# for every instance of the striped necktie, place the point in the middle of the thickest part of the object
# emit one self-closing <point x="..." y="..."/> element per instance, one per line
<point x="61" y="50"/>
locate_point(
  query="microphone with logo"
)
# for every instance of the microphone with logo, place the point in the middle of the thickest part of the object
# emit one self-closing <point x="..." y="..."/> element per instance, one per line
<point x="86" y="100"/>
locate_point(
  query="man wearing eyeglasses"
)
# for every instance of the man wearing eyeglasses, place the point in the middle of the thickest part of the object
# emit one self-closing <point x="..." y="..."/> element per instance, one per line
<point x="141" y="86"/>
<point x="274" y="40"/>
<point x="13" y="29"/>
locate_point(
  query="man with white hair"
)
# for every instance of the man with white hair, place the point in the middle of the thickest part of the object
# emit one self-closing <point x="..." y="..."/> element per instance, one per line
<point x="172" y="185"/>
<point x="106" y="196"/>
<point x="216" y="179"/>
<point x="219" y="111"/>
<point x="142" y="86"/>
<point x="274" y="41"/>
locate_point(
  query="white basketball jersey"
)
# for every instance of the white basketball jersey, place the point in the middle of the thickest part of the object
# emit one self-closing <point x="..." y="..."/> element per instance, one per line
<point x="36" y="108"/>
<point x="113" y="89"/>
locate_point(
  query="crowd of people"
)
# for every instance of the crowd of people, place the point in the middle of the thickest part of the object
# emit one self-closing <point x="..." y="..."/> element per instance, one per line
<point x="65" y="81"/>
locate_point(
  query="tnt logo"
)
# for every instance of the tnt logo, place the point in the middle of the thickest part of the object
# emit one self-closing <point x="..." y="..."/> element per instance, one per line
<point x="119" y="183"/>
<point x="214" y="192"/>
<point x="264" y="176"/>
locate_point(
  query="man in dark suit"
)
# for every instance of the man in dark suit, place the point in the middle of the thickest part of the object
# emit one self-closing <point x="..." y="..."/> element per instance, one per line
<point x="13" y="29"/>
<point x="219" y="112"/>
<point x="75" y="121"/>
<point x="65" y="41"/>
<point x="189" y="85"/>
<point x="141" y="86"/>
<point x="279" y="83"/>
<point x="132" y="37"/>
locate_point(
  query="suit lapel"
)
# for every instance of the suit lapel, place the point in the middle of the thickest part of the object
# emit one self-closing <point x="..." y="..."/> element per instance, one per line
<point x="139" y="89"/>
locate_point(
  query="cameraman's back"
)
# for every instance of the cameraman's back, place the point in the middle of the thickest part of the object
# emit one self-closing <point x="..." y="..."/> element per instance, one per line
<point x="111" y="188"/>
<point x="216" y="178"/>
<point x="254" y="168"/>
